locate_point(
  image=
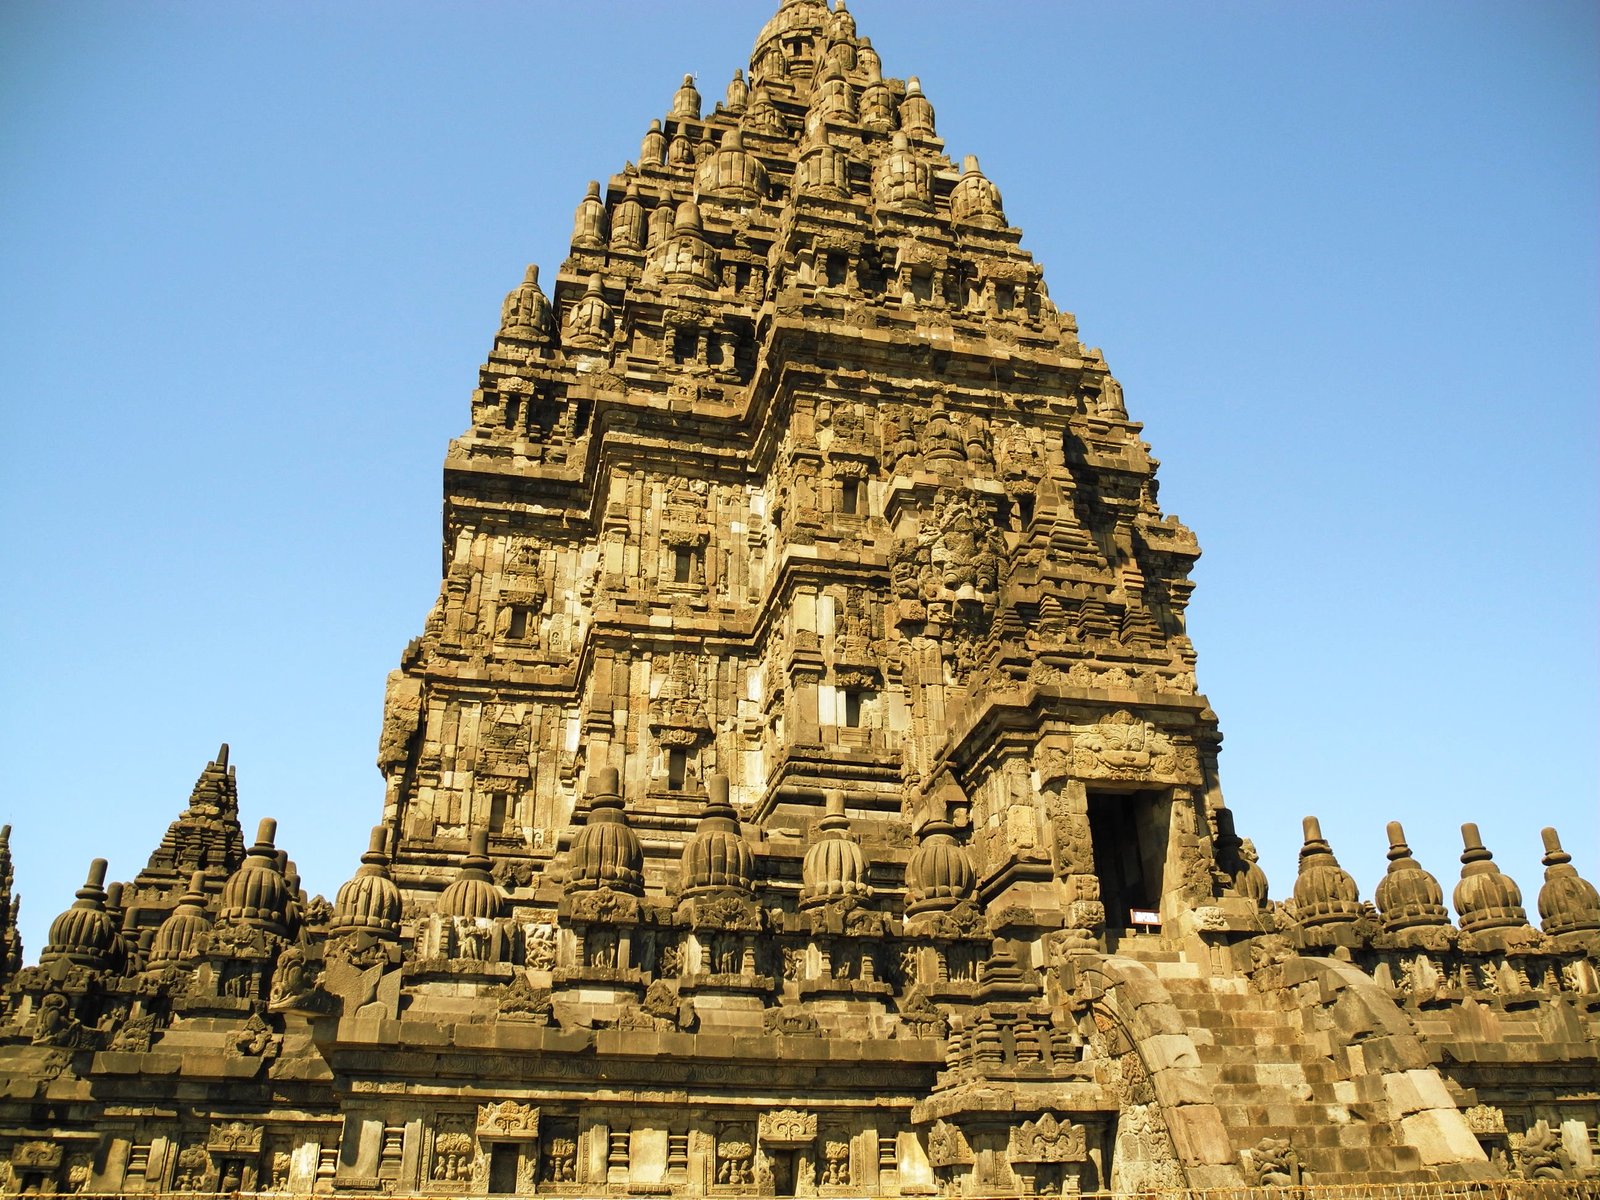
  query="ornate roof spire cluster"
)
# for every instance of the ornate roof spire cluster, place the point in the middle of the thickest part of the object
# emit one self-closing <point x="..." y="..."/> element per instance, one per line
<point x="205" y="837"/>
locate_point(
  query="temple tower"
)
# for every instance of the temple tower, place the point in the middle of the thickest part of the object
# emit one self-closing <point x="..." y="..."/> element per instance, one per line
<point x="798" y="477"/>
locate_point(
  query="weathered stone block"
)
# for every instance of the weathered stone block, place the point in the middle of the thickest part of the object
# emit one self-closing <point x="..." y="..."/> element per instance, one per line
<point x="1441" y="1137"/>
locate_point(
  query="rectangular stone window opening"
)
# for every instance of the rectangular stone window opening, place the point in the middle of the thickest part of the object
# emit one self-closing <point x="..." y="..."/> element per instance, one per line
<point x="850" y="496"/>
<point x="852" y="707"/>
<point x="682" y="565"/>
<point x="1128" y="833"/>
<point x="499" y="803"/>
<point x="685" y="344"/>
<point x="520" y="623"/>
<point x="922" y="285"/>
<point x="1024" y="512"/>
<point x="838" y="269"/>
<point x="677" y="769"/>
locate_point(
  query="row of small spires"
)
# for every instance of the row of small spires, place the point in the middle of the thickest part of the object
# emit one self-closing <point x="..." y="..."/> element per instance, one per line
<point x="1409" y="898"/>
<point x="606" y="853"/>
<point x="675" y="237"/>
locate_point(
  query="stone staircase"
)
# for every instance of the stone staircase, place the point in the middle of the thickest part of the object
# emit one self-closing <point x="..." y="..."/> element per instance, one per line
<point x="1274" y="1078"/>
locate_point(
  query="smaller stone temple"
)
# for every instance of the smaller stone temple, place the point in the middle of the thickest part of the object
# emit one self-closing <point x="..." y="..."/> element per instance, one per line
<point x="800" y="785"/>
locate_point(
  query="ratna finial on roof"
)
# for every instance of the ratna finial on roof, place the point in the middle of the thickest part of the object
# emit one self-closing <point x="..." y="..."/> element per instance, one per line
<point x="85" y="935"/>
<point x="1326" y="902"/>
<point x="686" y="100"/>
<point x="257" y="894"/>
<point x="1569" y="905"/>
<point x="589" y="222"/>
<point x="1488" y="901"/>
<point x="1410" y="901"/>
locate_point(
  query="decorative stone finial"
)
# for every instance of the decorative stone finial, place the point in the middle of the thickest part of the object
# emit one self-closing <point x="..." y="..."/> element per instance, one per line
<point x="1409" y="899"/>
<point x="731" y="173"/>
<point x="686" y="258"/>
<point x="369" y="902"/>
<point x="902" y="179"/>
<point x="686" y="100"/>
<point x="474" y="895"/>
<point x="1326" y="900"/>
<point x="257" y="895"/>
<point x="653" y="150"/>
<point x="867" y="60"/>
<point x="939" y="874"/>
<point x="823" y="169"/>
<point x="842" y="25"/>
<point x="178" y="940"/>
<point x="526" y="311"/>
<point x="834" y="867"/>
<point x="974" y="200"/>
<point x="589" y="322"/>
<point x="833" y="99"/>
<point x="1569" y="905"/>
<point x="85" y="935"/>
<point x="627" y="221"/>
<point x="606" y="852"/>
<point x="717" y="858"/>
<point x="1486" y="899"/>
<point x="738" y="93"/>
<point x="589" y="222"/>
<point x="916" y="114"/>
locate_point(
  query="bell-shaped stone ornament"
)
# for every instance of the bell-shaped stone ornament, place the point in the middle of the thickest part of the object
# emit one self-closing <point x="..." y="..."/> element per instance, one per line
<point x="474" y="895"/>
<point x="653" y="150"/>
<point x="974" y="200"/>
<point x="916" y="114"/>
<point x="85" y="935"/>
<point x="606" y="852"/>
<point x="717" y="858"/>
<point x="903" y="180"/>
<point x="525" y="315"/>
<point x="1569" y="905"/>
<point x="1324" y="892"/>
<point x="686" y="100"/>
<point x="257" y="894"/>
<point x="1408" y="897"/>
<point x="834" y="868"/>
<point x="589" y="322"/>
<point x="738" y="93"/>
<point x="1486" y="898"/>
<point x="589" y="222"/>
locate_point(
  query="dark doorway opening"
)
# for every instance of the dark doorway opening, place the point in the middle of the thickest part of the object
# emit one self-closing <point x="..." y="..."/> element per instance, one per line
<point x="1129" y="834"/>
<point x="782" y="1165"/>
<point x="503" y="1169"/>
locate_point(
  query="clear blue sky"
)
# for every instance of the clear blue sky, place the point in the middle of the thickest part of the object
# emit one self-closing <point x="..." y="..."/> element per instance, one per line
<point x="1342" y="255"/>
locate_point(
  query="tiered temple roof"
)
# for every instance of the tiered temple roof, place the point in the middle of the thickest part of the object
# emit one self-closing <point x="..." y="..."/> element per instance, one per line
<point x="800" y="785"/>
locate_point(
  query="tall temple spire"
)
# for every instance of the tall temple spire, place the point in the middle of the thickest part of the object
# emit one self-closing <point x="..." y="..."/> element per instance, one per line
<point x="10" y="909"/>
<point x="206" y="835"/>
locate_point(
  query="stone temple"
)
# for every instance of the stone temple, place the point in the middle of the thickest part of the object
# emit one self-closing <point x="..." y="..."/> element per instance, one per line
<point x="800" y="786"/>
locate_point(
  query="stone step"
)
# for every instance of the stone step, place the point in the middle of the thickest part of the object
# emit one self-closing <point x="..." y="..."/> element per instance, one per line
<point x="1269" y="1080"/>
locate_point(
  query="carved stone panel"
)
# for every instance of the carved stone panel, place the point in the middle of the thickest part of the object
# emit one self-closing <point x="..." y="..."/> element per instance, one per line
<point x="1049" y="1140"/>
<point x="508" y="1121"/>
<point x="787" y="1127"/>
